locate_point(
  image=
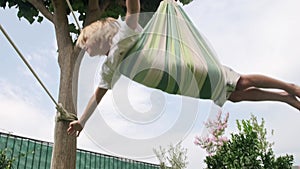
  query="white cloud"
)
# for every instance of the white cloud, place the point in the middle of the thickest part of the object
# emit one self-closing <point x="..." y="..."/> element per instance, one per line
<point x="20" y="115"/>
<point x="252" y="36"/>
<point x="45" y="64"/>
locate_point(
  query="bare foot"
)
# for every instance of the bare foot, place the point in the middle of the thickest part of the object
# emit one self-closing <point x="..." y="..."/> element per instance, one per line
<point x="292" y="100"/>
<point x="295" y="90"/>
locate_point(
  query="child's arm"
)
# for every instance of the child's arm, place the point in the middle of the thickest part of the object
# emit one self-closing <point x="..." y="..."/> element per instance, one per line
<point x="75" y="127"/>
<point x="132" y="14"/>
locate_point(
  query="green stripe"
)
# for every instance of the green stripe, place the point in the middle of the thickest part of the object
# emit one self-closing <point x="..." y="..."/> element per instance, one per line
<point x="214" y="65"/>
<point x="184" y="56"/>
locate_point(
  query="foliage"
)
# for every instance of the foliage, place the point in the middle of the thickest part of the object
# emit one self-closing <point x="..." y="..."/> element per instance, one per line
<point x="26" y="10"/>
<point x="175" y="156"/>
<point x="5" y="162"/>
<point x="215" y="138"/>
<point x="248" y="148"/>
<point x="114" y="9"/>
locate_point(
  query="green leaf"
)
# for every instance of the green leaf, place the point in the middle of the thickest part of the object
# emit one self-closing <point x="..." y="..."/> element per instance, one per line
<point x="184" y="2"/>
<point x="73" y="29"/>
<point x="248" y="149"/>
<point x="82" y="17"/>
<point x="11" y="3"/>
<point x="77" y="5"/>
<point x="40" y="19"/>
<point x="3" y="3"/>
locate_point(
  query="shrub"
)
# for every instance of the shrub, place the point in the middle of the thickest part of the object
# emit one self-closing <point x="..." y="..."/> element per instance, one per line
<point x="175" y="156"/>
<point x="215" y="138"/>
<point x="5" y="162"/>
<point x="249" y="149"/>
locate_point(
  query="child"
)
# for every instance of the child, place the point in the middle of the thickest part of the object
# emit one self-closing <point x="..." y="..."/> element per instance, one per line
<point x="100" y="38"/>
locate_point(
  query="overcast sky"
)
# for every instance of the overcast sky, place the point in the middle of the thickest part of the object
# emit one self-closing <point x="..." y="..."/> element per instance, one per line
<point x="257" y="36"/>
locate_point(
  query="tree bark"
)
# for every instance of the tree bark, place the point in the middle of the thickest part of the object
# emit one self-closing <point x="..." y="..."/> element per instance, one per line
<point x="38" y="4"/>
<point x="93" y="12"/>
<point x="64" y="149"/>
<point x="69" y="59"/>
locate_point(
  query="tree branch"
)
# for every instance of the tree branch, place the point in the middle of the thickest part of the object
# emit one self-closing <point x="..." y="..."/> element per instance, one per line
<point x="122" y="3"/>
<point x="38" y="4"/>
<point x="61" y="24"/>
<point x="93" y="12"/>
<point x="104" y="5"/>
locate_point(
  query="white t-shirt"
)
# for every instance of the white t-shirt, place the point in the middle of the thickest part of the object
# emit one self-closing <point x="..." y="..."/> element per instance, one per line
<point x="121" y="43"/>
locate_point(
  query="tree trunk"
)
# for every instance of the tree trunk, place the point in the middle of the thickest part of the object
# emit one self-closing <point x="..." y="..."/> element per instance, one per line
<point x="69" y="59"/>
<point x="64" y="149"/>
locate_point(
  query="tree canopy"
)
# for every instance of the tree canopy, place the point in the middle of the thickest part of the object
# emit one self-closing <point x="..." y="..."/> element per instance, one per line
<point x="37" y="10"/>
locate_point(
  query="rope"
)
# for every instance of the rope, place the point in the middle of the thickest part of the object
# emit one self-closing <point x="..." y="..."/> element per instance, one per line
<point x="63" y="113"/>
<point x="71" y="9"/>
<point x="27" y="64"/>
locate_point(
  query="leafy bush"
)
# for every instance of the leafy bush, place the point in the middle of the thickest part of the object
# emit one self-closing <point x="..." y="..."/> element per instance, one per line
<point x="249" y="149"/>
<point x="5" y="162"/>
<point x="175" y="156"/>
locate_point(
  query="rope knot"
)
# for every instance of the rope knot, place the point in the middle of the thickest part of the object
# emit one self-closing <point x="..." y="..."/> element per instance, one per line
<point x="63" y="114"/>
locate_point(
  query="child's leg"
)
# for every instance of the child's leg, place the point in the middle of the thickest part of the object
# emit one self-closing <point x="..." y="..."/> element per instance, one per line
<point x="255" y="94"/>
<point x="261" y="81"/>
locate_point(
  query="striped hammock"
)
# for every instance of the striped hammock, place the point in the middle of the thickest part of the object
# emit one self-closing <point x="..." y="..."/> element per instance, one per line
<point x="171" y="55"/>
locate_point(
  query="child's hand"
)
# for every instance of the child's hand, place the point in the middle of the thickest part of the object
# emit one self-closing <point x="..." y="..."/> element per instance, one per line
<point x="74" y="128"/>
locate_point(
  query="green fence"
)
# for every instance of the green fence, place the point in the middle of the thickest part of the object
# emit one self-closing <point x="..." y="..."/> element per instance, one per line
<point x="35" y="154"/>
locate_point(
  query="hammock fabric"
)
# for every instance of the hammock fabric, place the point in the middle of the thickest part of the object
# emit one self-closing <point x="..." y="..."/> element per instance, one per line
<point x="171" y="55"/>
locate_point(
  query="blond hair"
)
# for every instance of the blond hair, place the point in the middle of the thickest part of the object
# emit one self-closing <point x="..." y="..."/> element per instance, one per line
<point x="100" y="31"/>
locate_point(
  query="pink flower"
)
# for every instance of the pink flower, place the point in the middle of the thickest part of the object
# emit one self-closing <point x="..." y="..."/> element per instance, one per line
<point x="215" y="139"/>
<point x="197" y="140"/>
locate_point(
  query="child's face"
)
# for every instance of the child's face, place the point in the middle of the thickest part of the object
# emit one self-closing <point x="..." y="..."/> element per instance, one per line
<point x="96" y="48"/>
